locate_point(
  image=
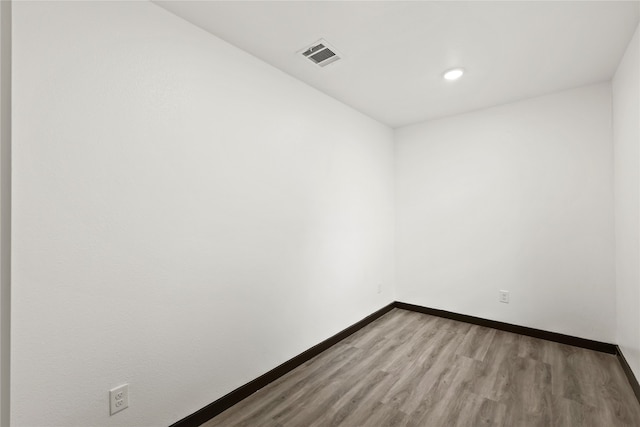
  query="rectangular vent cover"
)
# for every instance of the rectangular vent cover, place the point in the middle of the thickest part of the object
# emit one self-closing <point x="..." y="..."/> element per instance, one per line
<point x="321" y="53"/>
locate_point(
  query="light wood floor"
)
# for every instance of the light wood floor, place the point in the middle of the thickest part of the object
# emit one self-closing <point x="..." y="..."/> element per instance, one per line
<point x="412" y="369"/>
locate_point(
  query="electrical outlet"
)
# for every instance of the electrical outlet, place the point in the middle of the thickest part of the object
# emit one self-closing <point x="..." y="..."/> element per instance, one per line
<point x="504" y="297"/>
<point x="379" y="288"/>
<point x="119" y="398"/>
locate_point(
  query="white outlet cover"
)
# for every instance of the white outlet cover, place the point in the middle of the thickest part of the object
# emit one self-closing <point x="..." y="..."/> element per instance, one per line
<point x="119" y="398"/>
<point x="504" y="297"/>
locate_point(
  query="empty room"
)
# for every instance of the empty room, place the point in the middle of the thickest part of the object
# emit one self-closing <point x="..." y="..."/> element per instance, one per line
<point x="319" y="213"/>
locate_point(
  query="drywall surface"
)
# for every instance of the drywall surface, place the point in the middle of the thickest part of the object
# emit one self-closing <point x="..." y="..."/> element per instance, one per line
<point x="5" y="208"/>
<point x="186" y="216"/>
<point x="626" y="143"/>
<point x="519" y="198"/>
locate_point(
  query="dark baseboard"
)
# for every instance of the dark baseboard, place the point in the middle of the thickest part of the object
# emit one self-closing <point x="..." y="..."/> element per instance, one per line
<point x="522" y="330"/>
<point x="228" y="400"/>
<point x="629" y="373"/>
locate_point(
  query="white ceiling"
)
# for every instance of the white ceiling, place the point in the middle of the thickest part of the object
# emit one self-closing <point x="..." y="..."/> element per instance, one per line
<point x="396" y="51"/>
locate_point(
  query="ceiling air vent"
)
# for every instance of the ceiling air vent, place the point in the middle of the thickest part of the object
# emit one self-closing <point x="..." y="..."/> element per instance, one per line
<point x="320" y="53"/>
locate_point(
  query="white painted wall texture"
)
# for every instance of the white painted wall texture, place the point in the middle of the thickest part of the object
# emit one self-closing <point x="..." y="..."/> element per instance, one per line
<point x="626" y="140"/>
<point x="5" y="208"/>
<point x="517" y="197"/>
<point x="186" y="216"/>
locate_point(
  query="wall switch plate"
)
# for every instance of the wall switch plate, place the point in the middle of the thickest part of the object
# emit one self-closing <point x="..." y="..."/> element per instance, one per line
<point x="504" y="297"/>
<point x="379" y="288"/>
<point x="119" y="398"/>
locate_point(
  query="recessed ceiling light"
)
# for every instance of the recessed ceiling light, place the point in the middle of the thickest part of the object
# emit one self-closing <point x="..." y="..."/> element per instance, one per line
<point x="454" y="74"/>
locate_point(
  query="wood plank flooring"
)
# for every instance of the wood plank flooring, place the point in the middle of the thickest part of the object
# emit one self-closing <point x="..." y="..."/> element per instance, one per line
<point x="413" y="369"/>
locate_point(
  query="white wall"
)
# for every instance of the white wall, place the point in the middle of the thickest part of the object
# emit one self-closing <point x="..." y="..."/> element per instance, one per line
<point x="516" y="197"/>
<point x="626" y="142"/>
<point x="5" y="207"/>
<point x="186" y="217"/>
